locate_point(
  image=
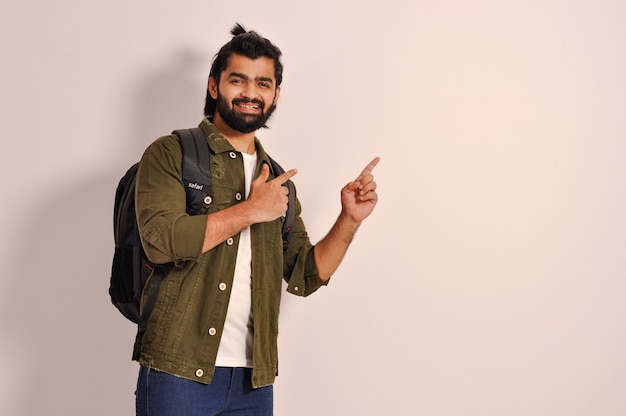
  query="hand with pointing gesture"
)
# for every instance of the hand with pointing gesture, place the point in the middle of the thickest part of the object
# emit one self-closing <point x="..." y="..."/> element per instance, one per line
<point x="269" y="197"/>
<point x="359" y="197"/>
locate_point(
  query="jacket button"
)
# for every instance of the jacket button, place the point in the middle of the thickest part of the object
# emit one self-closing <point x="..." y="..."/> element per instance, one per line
<point x="199" y="372"/>
<point x="233" y="155"/>
<point x="208" y="200"/>
<point x="212" y="331"/>
<point x="222" y="286"/>
<point x="230" y="241"/>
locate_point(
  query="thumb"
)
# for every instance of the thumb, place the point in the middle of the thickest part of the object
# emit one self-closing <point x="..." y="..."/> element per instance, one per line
<point x="351" y="187"/>
<point x="265" y="173"/>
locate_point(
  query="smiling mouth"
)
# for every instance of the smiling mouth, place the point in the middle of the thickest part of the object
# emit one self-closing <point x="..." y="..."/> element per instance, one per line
<point x="249" y="106"/>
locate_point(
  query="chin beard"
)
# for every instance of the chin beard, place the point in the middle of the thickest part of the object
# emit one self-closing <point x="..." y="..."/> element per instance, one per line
<point x="244" y="123"/>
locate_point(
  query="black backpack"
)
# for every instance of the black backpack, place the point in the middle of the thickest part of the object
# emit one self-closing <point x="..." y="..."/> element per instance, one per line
<point x="131" y="267"/>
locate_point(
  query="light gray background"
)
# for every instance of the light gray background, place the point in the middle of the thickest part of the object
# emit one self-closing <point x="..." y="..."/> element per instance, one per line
<point x="489" y="281"/>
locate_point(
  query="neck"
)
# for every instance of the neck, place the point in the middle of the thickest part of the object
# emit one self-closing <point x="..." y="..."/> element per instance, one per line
<point x="242" y="142"/>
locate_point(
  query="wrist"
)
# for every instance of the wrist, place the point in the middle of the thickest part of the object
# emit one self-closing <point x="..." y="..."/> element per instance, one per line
<point x="348" y="222"/>
<point x="246" y="212"/>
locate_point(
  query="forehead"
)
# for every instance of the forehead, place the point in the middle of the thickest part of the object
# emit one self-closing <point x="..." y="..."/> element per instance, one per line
<point x="262" y="67"/>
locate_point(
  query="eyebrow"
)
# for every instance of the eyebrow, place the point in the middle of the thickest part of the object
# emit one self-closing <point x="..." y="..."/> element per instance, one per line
<point x="244" y="76"/>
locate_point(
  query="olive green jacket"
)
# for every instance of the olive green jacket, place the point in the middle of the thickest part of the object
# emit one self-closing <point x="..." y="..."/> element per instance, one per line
<point x="184" y="329"/>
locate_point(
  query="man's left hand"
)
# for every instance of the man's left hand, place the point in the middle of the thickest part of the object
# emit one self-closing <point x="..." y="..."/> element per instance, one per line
<point x="359" y="197"/>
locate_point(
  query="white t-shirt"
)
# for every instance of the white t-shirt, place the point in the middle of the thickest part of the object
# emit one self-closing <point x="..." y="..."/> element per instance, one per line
<point x="235" y="348"/>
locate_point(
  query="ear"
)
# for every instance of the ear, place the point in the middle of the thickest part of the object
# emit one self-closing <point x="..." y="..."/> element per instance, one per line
<point x="212" y="88"/>
<point x="277" y="94"/>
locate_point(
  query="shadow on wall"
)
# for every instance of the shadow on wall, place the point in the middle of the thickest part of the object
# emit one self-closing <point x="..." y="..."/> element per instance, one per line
<point x="170" y="99"/>
<point x="70" y="347"/>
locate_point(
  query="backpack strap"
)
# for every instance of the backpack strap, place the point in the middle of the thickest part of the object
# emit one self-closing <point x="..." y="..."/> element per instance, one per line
<point x="196" y="167"/>
<point x="291" y="207"/>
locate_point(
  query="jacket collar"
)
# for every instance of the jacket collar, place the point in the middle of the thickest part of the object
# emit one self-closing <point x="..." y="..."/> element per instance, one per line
<point x="219" y="144"/>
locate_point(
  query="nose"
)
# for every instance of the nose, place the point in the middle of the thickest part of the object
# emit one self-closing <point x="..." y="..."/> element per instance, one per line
<point x="250" y="90"/>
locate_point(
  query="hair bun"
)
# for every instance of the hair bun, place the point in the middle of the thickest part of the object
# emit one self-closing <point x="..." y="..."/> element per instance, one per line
<point x="238" y="29"/>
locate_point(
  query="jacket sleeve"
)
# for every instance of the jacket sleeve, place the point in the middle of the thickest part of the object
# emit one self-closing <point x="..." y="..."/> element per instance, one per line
<point x="168" y="233"/>
<point x="299" y="268"/>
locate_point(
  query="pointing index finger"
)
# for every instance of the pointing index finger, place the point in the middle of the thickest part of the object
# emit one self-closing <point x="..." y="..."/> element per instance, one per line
<point x="286" y="176"/>
<point x="370" y="167"/>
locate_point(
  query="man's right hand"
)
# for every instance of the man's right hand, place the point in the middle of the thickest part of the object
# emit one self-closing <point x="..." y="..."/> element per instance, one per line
<point x="267" y="202"/>
<point x="268" y="199"/>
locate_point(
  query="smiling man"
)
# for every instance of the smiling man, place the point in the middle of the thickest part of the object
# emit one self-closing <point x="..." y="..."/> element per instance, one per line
<point x="240" y="113"/>
<point x="210" y="347"/>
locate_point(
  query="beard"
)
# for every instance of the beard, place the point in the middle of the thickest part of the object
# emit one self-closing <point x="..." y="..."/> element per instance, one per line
<point x="244" y="123"/>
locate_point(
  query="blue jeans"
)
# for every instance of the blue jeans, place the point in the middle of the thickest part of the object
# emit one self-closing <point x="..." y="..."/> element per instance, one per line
<point x="230" y="393"/>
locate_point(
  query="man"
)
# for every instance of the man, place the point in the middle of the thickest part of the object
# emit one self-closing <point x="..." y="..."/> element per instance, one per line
<point x="211" y="341"/>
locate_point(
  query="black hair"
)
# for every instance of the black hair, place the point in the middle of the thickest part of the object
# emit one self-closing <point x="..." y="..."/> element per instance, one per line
<point x="246" y="43"/>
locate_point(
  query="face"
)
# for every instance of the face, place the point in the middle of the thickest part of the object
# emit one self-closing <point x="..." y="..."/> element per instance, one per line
<point x="247" y="93"/>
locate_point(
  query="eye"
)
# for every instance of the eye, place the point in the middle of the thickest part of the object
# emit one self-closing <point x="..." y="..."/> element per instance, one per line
<point x="236" y="81"/>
